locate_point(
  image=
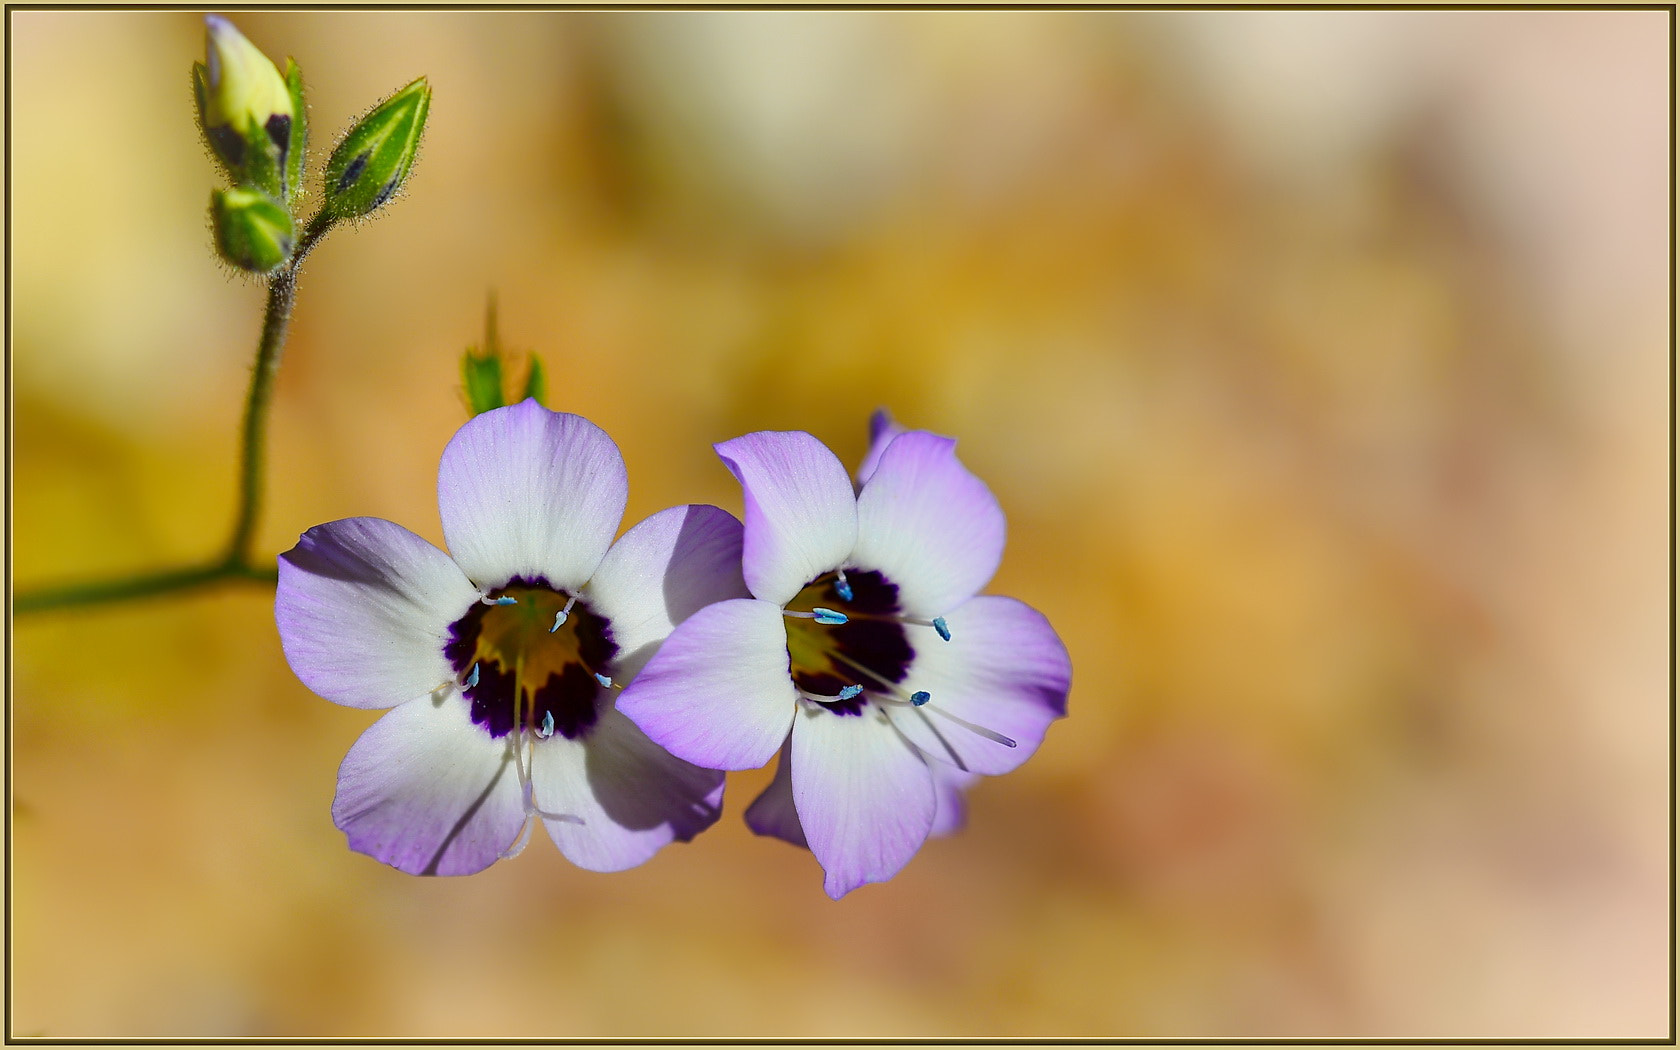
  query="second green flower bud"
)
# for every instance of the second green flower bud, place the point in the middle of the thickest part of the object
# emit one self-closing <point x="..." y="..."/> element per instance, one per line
<point x="375" y="157"/>
<point x="252" y="231"/>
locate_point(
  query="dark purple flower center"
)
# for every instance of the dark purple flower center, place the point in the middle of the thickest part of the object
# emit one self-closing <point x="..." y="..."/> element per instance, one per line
<point x="535" y="669"/>
<point x="870" y="650"/>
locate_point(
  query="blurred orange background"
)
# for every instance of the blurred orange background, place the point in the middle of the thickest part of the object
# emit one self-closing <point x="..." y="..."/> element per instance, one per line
<point x="1318" y="358"/>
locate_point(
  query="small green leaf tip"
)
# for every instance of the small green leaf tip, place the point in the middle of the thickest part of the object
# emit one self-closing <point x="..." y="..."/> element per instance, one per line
<point x="245" y="109"/>
<point x="486" y="383"/>
<point x="534" y="385"/>
<point x="374" y="158"/>
<point x="252" y="231"/>
<point x="483" y="379"/>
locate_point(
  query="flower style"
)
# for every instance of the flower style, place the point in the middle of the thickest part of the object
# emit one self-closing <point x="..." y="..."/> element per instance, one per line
<point x="863" y="655"/>
<point x="501" y="659"/>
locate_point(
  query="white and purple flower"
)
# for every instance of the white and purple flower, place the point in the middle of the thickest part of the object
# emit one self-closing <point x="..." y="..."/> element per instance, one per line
<point x="863" y="655"/>
<point x="501" y="659"/>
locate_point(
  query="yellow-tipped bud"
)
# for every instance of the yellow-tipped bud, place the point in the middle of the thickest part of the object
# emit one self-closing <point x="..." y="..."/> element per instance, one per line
<point x="241" y="84"/>
<point x="251" y="116"/>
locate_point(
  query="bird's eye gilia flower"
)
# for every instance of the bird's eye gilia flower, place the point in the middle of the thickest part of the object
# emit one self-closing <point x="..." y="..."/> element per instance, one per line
<point x="864" y="655"/>
<point x="501" y="660"/>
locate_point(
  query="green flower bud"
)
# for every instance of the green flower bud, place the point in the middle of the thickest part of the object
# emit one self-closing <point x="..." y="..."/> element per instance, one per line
<point x="246" y="109"/>
<point x="375" y="157"/>
<point x="252" y="231"/>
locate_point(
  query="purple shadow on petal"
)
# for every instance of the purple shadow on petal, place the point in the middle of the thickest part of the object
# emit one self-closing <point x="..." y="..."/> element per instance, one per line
<point x="701" y="528"/>
<point x="699" y="798"/>
<point x="460" y="825"/>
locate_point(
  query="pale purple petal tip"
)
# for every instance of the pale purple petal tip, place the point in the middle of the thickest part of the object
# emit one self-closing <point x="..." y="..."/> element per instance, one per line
<point x="882" y="430"/>
<point x="801" y="513"/>
<point x="864" y="796"/>
<point x="951" y="809"/>
<point x="772" y="813"/>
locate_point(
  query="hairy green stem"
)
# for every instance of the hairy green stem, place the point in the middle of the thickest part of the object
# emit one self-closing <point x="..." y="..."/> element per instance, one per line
<point x="237" y="563"/>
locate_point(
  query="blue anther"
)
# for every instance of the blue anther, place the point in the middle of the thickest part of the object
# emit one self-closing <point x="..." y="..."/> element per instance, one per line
<point x="939" y="625"/>
<point x="849" y="692"/>
<point x="472" y="677"/>
<point x="559" y="618"/>
<point x="843" y="589"/>
<point x="920" y="697"/>
<point x="604" y="680"/>
<point x="829" y="617"/>
<point x="547" y="729"/>
<point x="505" y="600"/>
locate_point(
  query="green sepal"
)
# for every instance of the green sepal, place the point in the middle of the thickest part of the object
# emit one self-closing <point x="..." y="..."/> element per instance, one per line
<point x="534" y="385"/>
<point x="373" y="160"/>
<point x="199" y="90"/>
<point x="298" y="146"/>
<point x="253" y="232"/>
<point x="482" y="376"/>
<point x="486" y="383"/>
<point x="265" y="161"/>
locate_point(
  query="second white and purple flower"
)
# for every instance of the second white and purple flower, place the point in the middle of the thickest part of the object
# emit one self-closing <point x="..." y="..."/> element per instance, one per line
<point x="864" y="656"/>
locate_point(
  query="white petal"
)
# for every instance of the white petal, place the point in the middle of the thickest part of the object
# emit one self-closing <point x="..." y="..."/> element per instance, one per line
<point x="928" y="524"/>
<point x="428" y="792"/>
<point x="664" y="570"/>
<point x="1004" y="669"/>
<point x="528" y="492"/>
<point x="865" y="797"/>
<point x="364" y="608"/>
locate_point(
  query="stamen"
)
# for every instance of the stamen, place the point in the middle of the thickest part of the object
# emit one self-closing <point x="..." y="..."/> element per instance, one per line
<point x="822" y="616"/>
<point x="606" y="683"/>
<point x="519" y="843"/>
<point x="560" y="617"/>
<point x="919" y="699"/>
<point x="533" y="810"/>
<point x="937" y="623"/>
<point x="546" y="730"/>
<point x="990" y="734"/>
<point x="820" y="698"/>
<point x="503" y="600"/>
<point x="841" y="586"/>
<point x="564" y="818"/>
<point x="472" y="676"/>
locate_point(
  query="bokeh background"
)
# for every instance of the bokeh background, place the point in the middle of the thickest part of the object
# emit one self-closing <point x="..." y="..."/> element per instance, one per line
<point x="1318" y="358"/>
